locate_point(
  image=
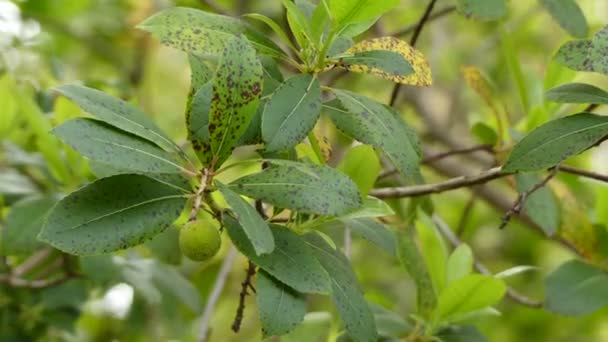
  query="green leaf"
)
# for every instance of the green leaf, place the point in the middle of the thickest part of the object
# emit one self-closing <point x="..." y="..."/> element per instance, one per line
<point x="165" y="246"/>
<point x="460" y="263"/>
<point x="576" y="288"/>
<point x="175" y="180"/>
<point x="433" y="250"/>
<point x="310" y="188"/>
<point x="274" y="26"/>
<point x="388" y="64"/>
<point x="555" y="141"/>
<point x="291" y="262"/>
<point x="346" y="12"/>
<point x="372" y="207"/>
<point x="202" y="33"/>
<point x="345" y="290"/>
<point x="281" y="308"/>
<point x="117" y="113"/>
<point x="237" y="87"/>
<point x="468" y="294"/>
<point x="362" y="165"/>
<point x="374" y="232"/>
<point x="461" y="333"/>
<point x="598" y="53"/>
<point x="101" y="142"/>
<point x="485" y="10"/>
<point x="574" y="55"/>
<point x="298" y="23"/>
<point x="541" y="206"/>
<point x="568" y="15"/>
<point x="412" y="260"/>
<point x="197" y="108"/>
<point x="291" y="112"/>
<point x="23" y="223"/>
<point x="577" y="93"/>
<point x="253" y="225"/>
<point x="174" y="285"/>
<point x="376" y="124"/>
<point x="111" y="214"/>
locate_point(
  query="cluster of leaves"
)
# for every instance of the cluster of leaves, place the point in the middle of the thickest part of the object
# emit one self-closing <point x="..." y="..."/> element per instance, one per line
<point x="239" y="96"/>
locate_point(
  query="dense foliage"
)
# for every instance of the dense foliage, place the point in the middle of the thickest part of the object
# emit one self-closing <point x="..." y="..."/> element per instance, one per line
<point x="318" y="150"/>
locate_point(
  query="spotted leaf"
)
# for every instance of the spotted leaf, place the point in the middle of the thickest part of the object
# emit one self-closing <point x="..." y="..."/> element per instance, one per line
<point x="557" y="140"/>
<point x="281" y="308"/>
<point x="291" y="262"/>
<point x="485" y="10"/>
<point x="111" y="214"/>
<point x="375" y="124"/>
<point x="202" y="33"/>
<point x="574" y="55"/>
<point x="106" y="144"/>
<point x="291" y="112"/>
<point x="237" y="87"/>
<point x="309" y="188"/>
<point x="389" y="58"/>
<point x="598" y="53"/>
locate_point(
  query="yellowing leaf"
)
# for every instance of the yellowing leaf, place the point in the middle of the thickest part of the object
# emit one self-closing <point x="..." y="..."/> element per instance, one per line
<point x="384" y="64"/>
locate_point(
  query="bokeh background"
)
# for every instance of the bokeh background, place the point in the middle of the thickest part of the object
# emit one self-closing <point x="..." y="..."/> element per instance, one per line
<point x="44" y="44"/>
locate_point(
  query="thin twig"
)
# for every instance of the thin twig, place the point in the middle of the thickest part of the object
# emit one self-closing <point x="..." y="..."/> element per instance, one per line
<point x="198" y="198"/>
<point x="591" y="107"/>
<point x="32" y="262"/>
<point x="442" y="155"/>
<point x="466" y="215"/>
<point x="413" y="41"/>
<point x="584" y="173"/>
<point x="450" y="184"/>
<point x="214" y="296"/>
<point x="246" y="284"/>
<point x="348" y="242"/>
<point x="512" y="294"/>
<point x="521" y="199"/>
<point x="436" y="15"/>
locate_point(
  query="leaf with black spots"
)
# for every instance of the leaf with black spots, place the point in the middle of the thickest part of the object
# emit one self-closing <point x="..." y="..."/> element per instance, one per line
<point x="202" y="33"/>
<point x="101" y="142"/>
<point x="555" y="141"/>
<point x="291" y="112"/>
<point x="308" y="188"/>
<point x="111" y="214"/>
<point x="291" y="261"/>
<point x="484" y="10"/>
<point x="281" y="308"/>
<point x="237" y="87"/>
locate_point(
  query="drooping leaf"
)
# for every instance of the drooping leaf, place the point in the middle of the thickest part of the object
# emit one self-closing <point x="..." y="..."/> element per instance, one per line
<point x="281" y="308"/>
<point x="468" y="294"/>
<point x="274" y="26"/>
<point x="576" y="288"/>
<point x="460" y="263"/>
<point x="202" y="33"/>
<point x="237" y="88"/>
<point x="577" y="93"/>
<point x="310" y="188"/>
<point x="111" y="214"/>
<point x="485" y="10"/>
<point x="345" y="290"/>
<point x="555" y="141"/>
<point x="291" y="112"/>
<point x="568" y="15"/>
<point x="23" y="223"/>
<point x="362" y="165"/>
<point x="412" y="260"/>
<point x="433" y="250"/>
<point x="389" y="58"/>
<point x="117" y="113"/>
<point x="541" y="206"/>
<point x="376" y="124"/>
<point x="291" y="262"/>
<point x="253" y="225"/>
<point x="374" y="232"/>
<point x="598" y="52"/>
<point x="101" y="142"/>
<point x="197" y="107"/>
<point x="346" y="12"/>
<point x="298" y="23"/>
<point x="574" y="55"/>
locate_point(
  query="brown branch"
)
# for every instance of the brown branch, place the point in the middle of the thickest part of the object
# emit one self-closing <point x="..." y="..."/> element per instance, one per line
<point x="423" y="20"/>
<point x="442" y="155"/>
<point x="245" y="285"/>
<point x="436" y="15"/>
<point x="512" y="294"/>
<point x="466" y="215"/>
<point x="200" y="192"/>
<point x="522" y="197"/>
<point x="584" y="173"/>
<point x="591" y="107"/>
<point x="450" y="184"/>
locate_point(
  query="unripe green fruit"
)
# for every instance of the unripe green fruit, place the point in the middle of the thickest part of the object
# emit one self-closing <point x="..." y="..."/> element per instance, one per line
<point x="199" y="241"/>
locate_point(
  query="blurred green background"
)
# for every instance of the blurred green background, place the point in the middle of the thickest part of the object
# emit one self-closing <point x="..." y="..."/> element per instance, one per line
<point x="48" y="43"/>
